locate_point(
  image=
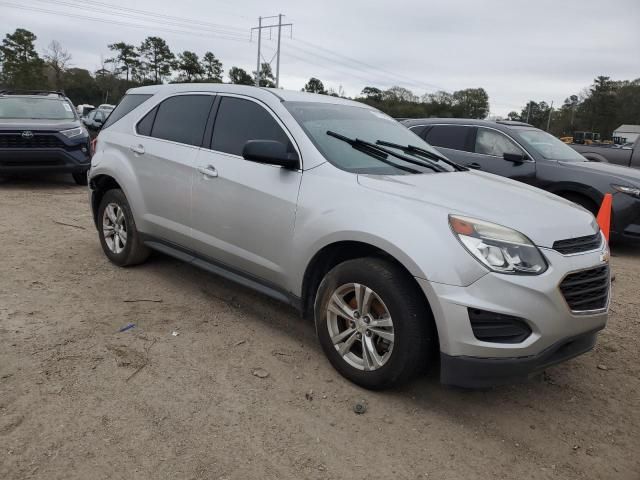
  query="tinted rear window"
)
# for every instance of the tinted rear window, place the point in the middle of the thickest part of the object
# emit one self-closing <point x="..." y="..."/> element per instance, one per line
<point x="239" y="121"/>
<point x="127" y="104"/>
<point x="183" y="119"/>
<point x="449" y="136"/>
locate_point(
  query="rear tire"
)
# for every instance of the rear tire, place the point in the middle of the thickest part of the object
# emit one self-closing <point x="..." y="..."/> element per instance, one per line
<point x="80" y="178"/>
<point x="379" y="333"/>
<point x="119" y="237"/>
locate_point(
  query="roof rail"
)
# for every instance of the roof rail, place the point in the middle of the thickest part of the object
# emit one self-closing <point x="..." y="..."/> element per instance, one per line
<point x="32" y="92"/>
<point x="514" y="123"/>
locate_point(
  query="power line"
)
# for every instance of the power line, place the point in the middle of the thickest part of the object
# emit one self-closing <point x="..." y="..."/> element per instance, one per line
<point x="261" y="27"/>
<point x="115" y="11"/>
<point x="126" y="24"/>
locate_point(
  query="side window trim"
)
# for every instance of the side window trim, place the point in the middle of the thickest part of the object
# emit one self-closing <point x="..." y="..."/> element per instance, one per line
<point x="475" y="127"/>
<point x="280" y="123"/>
<point x="156" y="107"/>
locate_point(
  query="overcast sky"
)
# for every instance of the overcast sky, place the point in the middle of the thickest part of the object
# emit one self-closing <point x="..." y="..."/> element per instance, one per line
<point x="516" y="50"/>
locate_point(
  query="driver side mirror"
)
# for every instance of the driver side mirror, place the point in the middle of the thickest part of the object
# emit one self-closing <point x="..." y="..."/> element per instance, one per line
<point x="515" y="157"/>
<point x="270" y="152"/>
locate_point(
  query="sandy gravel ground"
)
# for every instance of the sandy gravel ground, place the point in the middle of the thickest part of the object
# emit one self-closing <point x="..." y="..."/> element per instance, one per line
<point x="78" y="400"/>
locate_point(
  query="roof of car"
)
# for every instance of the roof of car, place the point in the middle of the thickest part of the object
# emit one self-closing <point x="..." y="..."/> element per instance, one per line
<point x="412" y="122"/>
<point x="257" y="92"/>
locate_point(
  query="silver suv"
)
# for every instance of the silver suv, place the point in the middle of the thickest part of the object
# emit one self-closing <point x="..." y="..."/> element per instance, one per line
<point x="332" y="206"/>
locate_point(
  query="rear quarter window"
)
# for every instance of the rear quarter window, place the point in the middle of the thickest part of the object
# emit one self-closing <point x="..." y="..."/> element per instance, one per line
<point x="127" y="104"/>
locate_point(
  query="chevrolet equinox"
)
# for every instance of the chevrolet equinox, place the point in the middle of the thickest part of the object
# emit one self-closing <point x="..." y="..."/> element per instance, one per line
<point x="398" y="254"/>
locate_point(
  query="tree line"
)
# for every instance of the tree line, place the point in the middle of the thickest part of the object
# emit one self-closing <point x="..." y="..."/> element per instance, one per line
<point x="153" y="62"/>
<point x="602" y="107"/>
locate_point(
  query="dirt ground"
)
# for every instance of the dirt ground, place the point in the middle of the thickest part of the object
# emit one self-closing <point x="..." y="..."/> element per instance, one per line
<point x="79" y="400"/>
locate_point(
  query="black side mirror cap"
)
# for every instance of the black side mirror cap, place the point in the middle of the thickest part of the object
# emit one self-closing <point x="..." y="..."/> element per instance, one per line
<point x="515" y="157"/>
<point x="270" y="152"/>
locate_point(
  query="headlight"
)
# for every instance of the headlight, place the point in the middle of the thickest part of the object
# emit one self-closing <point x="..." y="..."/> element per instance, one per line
<point x="499" y="248"/>
<point x="633" y="191"/>
<point x="74" y="132"/>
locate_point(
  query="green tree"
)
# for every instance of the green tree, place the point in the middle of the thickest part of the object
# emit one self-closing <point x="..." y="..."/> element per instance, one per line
<point x="126" y="59"/>
<point x="266" y="76"/>
<point x="188" y="65"/>
<point x="21" y="65"/>
<point x="314" y="85"/>
<point x="372" y="93"/>
<point x="212" y="68"/>
<point x="157" y="58"/>
<point x="471" y="103"/>
<point x="240" y="76"/>
<point x="399" y="94"/>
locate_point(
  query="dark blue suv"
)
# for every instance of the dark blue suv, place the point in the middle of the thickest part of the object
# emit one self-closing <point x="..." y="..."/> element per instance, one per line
<point x="41" y="132"/>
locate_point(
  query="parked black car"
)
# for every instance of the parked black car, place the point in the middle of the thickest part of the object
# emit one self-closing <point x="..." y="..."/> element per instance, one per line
<point x="41" y="132"/>
<point x="524" y="153"/>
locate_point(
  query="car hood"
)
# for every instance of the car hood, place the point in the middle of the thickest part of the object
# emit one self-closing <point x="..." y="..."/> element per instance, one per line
<point x="36" y="124"/>
<point x="616" y="173"/>
<point x="541" y="216"/>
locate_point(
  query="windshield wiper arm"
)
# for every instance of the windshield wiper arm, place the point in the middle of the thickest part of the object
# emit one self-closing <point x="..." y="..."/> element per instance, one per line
<point x="371" y="150"/>
<point x="374" y="147"/>
<point x="422" y="152"/>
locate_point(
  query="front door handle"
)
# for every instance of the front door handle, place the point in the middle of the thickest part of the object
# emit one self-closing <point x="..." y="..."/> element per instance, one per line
<point x="209" y="171"/>
<point x="138" y="149"/>
<point x="475" y="166"/>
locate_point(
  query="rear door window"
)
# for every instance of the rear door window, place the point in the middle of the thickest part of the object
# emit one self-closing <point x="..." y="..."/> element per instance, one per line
<point x="126" y="105"/>
<point x="455" y="137"/>
<point x="182" y="119"/>
<point x="239" y="121"/>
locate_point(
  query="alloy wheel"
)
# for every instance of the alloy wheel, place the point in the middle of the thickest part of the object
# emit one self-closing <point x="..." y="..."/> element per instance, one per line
<point x="360" y="326"/>
<point x="114" y="228"/>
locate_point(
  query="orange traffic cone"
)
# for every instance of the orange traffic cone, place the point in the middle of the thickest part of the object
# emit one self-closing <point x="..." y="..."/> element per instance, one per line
<point x="604" y="215"/>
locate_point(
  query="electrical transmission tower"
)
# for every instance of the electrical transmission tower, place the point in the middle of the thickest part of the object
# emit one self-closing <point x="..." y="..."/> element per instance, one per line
<point x="259" y="28"/>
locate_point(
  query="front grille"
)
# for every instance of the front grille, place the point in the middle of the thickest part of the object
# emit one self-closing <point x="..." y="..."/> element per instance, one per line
<point x="587" y="289"/>
<point x="39" y="140"/>
<point x="497" y="328"/>
<point x="579" y="244"/>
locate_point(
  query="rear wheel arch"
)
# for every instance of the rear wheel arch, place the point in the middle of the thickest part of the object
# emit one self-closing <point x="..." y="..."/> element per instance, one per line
<point x="101" y="184"/>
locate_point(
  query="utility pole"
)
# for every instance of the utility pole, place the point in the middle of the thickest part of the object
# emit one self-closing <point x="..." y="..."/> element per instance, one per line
<point x="528" y="112"/>
<point x="259" y="39"/>
<point x="278" y="58"/>
<point x="260" y="27"/>
<point x="549" y="119"/>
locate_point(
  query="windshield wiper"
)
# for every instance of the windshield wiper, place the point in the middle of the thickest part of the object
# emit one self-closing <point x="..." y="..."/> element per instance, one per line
<point x="424" y="153"/>
<point x="370" y="148"/>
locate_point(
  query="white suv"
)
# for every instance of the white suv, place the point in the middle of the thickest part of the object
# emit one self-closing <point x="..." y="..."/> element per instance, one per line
<point x="332" y="206"/>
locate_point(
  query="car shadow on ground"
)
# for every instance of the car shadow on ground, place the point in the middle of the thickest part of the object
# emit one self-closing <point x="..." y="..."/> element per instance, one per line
<point x="38" y="182"/>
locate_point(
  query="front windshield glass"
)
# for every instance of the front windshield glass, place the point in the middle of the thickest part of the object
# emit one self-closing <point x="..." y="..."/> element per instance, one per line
<point x="364" y="124"/>
<point x="35" y="108"/>
<point x="547" y="145"/>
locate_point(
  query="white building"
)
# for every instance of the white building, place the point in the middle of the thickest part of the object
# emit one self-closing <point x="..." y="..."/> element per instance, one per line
<point x="630" y="132"/>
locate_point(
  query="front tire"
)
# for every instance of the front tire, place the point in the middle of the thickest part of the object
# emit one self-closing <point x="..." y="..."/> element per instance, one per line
<point x="119" y="237"/>
<point x="374" y="323"/>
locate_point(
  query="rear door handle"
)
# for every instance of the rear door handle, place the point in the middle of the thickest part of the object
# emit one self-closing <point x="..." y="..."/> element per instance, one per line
<point x="475" y="166"/>
<point x="138" y="149"/>
<point x="209" y="171"/>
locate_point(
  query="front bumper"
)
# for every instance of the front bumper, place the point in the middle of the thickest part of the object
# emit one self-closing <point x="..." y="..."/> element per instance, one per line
<point x="473" y="372"/>
<point x="44" y="160"/>
<point x="625" y="218"/>
<point x="536" y="299"/>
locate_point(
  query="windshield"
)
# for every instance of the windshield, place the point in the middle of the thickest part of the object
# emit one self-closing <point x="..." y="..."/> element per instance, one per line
<point x="35" y="108"/>
<point x="358" y="123"/>
<point x="547" y="145"/>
